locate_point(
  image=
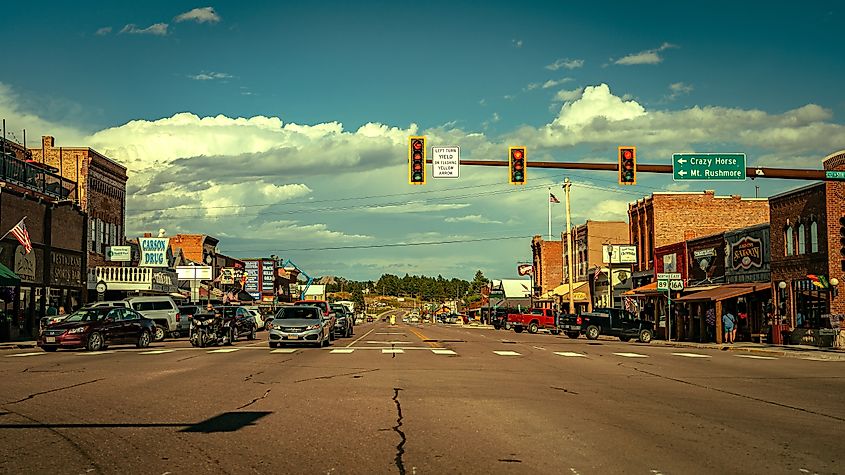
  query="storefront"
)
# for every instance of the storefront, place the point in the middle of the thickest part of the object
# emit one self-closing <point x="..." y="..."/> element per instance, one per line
<point x="558" y="298"/>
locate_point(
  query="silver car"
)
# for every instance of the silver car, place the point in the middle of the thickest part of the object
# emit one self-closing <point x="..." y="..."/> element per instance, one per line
<point x="300" y="324"/>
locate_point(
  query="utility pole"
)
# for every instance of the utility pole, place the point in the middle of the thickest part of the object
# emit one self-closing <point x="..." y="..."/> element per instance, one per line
<point x="566" y="186"/>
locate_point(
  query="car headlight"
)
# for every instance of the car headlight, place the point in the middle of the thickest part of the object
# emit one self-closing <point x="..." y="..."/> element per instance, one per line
<point x="77" y="330"/>
<point x="313" y="327"/>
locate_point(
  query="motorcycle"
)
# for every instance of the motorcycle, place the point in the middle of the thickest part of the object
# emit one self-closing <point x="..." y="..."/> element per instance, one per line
<point x="210" y="330"/>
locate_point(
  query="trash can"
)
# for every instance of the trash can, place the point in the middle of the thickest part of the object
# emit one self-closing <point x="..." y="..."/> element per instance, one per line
<point x="777" y="333"/>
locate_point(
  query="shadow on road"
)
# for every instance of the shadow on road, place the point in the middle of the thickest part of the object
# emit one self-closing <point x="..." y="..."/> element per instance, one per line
<point x="226" y="422"/>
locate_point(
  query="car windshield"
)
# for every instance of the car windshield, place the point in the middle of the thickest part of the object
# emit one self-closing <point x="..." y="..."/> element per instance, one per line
<point x="298" y="313"/>
<point x="88" y="315"/>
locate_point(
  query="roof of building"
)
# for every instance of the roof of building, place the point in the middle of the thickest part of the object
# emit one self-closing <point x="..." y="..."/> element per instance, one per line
<point x="513" y="288"/>
<point x="797" y="190"/>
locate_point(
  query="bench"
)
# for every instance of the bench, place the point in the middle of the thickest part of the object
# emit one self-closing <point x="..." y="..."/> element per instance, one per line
<point x="761" y="337"/>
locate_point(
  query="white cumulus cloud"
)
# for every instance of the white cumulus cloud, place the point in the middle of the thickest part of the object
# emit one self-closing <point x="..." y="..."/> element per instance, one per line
<point x="157" y="29"/>
<point x="650" y="56"/>
<point x="565" y="63"/>
<point x="199" y="15"/>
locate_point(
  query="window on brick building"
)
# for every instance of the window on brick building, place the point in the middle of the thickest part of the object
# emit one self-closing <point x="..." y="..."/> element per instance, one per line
<point x="802" y="241"/>
<point x="789" y="241"/>
<point x="814" y="237"/>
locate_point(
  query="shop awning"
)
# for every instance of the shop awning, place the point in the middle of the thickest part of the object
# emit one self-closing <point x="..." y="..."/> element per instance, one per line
<point x="724" y="292"/>
<point x="8" y="278"/>
<point x="646" y="290"/>
<point x="580" y="292"/>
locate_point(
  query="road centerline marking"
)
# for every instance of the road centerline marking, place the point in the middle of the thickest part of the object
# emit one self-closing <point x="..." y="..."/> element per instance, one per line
<point x="442" y="351"/>
<point x="422" y="337"/>
<point x="507" y="353"/>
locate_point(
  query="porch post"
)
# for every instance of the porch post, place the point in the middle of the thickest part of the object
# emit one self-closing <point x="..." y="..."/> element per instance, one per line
<point x="719" y="331"/>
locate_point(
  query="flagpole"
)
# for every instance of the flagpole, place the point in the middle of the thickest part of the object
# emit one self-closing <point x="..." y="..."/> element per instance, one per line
<point x="13" y="227"/>
<point x="550" y="213"/>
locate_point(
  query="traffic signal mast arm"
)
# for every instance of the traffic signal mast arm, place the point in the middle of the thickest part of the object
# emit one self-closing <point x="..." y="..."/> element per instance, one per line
<point x="752" y="172"/>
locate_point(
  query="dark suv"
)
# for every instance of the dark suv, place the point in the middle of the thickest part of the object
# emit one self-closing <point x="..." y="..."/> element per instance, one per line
<point x="241" y="318"/>
<point x="343" y="322"/>
<point x="607" y="321"/>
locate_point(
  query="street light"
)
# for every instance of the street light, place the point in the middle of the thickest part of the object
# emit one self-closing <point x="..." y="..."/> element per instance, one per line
<point x="782" y="285"/>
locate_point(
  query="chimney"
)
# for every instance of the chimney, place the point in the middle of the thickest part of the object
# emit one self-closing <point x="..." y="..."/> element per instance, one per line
<point x="148" y="235"/>
<point x="47" y="142"/>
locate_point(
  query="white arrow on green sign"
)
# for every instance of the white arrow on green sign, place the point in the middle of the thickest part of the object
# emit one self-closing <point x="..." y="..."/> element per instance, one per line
<point x="708" y="166"/>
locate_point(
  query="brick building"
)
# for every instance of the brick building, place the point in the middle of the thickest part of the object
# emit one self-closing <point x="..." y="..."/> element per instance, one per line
<point x="198" y="248"/>
<point x="807" y="256"/>
<point x="52" y="274"/>
<point x="101" y="192"/>
<point x="588" y="241"/>
<point x="547" y="257"/>
<point x="670" y="217"/>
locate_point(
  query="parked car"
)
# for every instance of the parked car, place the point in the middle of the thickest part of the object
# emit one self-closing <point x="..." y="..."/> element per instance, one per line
<point x="325" y="307"/>
<point x="343" y="322"/>
<point x="300" y="323"/>
<point x="241" y="319"/>
<point x="96" y="328"/>
<point x="533" y="320"/>
<point x="608" y="321"/>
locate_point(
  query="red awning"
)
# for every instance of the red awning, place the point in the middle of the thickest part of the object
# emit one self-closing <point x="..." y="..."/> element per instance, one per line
<point x="724" y="292"/>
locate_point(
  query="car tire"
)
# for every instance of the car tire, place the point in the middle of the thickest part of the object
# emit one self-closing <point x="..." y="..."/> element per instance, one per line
<point x="251" y="335"/>
<point x="95" y="342"/>
<point x="517" y="329"/>
<point x="573" y="335"/>
<point x="273" y="344"/>
<point x="159" y="333"/>
<point x="143" y="340"/>
<point x="232" y="336"/>
<point x="555" y="332"/>
<point x="533" y="327"/>
<point x="645" y="336"/>
<point x="49" y="349"/>
<point x="593" y="332"/>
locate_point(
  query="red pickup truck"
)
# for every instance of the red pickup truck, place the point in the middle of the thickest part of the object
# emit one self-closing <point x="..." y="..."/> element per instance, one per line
<point x="534" y="320"/>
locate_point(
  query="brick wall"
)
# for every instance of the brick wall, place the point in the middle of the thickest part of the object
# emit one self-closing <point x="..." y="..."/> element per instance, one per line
<point x="65" y="219"/>
<point x="15" y="207"/>
<point x="835" y="205"/>
<point x="548" y="263"/>
<point x="667" y="218"/>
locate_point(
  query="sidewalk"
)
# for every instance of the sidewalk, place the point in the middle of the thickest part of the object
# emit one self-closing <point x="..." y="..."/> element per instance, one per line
<point x="14" y="345"/>
<point x="788" y="351"/>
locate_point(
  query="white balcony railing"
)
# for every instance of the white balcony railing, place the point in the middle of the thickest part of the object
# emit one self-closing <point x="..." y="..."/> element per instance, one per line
<point x="121" y="278"/>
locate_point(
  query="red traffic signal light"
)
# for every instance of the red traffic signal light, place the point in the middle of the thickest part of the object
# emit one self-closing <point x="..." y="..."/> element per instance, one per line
<point x="628" y="165"/>
<point x="416" y="161"/>
<point x="517" y="166"/>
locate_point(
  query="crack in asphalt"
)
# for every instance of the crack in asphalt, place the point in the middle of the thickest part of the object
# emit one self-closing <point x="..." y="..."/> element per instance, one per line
<point x="266" y="393"/>
<point x="563" y="389"/>
<point x="52" y="391"/>
<point x="744" y="396"/>
<point x="336" y="375"/>
<point x="248" y="378"/>
<point x="510" y="460"/>
<point x="400" y="448"/>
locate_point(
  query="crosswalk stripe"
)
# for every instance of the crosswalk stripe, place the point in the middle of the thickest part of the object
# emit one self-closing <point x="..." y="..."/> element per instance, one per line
<point x="156" y="352"/>
<point x="570" y="354"/>
<point x="392" y="350"/>
<point x="224" y="350"/>
<point x="343" y="351"/>
<point x="631" y="355"/>
<point x="441" y="351"/>
<point x="25" y="354"/>
<point x="389" y="342"/>
<point x="94" y="353"/>
<point x="507" y="353"/>
<point x="757" y="357"/>
<point x="691" y="355"/>
<point x="285" y="350"/>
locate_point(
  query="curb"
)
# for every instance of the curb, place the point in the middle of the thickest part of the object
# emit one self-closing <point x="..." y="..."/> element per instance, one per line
<point x="18" y="346"/>
<point x="798" y="353"/>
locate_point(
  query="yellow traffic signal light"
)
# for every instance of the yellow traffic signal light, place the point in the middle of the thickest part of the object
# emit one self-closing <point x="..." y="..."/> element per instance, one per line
<point x="416" y="160"/>
<point x="517" y="166"/>
<point x="628" y="165"/>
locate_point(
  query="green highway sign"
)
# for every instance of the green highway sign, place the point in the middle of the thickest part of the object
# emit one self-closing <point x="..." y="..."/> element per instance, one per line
<point x="836" y="175"/>
<point x="708" y="166"/>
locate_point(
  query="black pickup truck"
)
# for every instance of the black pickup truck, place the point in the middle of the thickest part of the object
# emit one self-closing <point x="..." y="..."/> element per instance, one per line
<point x="607" y="321"/>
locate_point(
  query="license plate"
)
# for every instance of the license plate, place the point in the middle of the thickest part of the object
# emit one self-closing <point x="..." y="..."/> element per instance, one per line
<point x="293" y="337"/>
<point x="50" y="339"/>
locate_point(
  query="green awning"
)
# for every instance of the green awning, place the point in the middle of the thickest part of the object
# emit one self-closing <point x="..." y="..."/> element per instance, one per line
<point x="7" y="277"/>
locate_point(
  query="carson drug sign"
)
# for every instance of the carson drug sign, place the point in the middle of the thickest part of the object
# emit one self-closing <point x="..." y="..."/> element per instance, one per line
<point x="153" y="251"/>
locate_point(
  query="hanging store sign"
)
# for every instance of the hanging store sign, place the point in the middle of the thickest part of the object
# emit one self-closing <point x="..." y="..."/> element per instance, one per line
<point x="153" y="251"/>
<point x="119" y="253"/>
<point x="746" y="253"/>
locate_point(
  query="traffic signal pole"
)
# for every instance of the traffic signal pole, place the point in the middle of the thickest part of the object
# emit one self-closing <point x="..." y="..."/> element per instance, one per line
<point x="751" y="172"/>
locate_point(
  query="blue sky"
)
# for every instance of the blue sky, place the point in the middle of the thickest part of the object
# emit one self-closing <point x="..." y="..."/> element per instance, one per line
<point x="160" y="86"/>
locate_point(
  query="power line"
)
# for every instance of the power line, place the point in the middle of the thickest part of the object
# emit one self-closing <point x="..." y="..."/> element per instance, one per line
<point x="376" y="246"/>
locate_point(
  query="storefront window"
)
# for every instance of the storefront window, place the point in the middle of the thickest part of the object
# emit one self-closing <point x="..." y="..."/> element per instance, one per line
<point x="811" y="302"/>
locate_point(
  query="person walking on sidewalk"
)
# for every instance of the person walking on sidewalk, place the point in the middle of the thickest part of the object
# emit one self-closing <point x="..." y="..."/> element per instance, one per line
<point x="729" y="324"/>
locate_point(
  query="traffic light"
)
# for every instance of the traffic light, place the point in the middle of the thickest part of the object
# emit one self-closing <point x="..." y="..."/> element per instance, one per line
<point x="842" y="241"/>
<point x="627" y="165"/>
<point x="416" y="160"/>
<point x="517" y="166"/>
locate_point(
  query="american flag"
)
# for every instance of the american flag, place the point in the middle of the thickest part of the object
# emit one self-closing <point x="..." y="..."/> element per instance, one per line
<point x="596" y="273"/>
<point x="20" y="233"/>
<point x="553" y="199"/>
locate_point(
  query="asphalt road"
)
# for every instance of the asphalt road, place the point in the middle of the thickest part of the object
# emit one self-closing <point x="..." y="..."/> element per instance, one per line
<point x="420" y="399"/>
